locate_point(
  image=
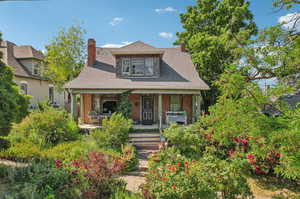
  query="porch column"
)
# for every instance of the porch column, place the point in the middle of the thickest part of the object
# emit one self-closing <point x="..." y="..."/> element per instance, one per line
<point x="73" y="106"/>
<point x="198" y="101"/>
<point x="81" y="108"/>
<point x="160" y="114"/>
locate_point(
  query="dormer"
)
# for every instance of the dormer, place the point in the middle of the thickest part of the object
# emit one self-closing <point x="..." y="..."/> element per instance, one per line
<point x="137" y="60"/>
<point x="30" y="58"/>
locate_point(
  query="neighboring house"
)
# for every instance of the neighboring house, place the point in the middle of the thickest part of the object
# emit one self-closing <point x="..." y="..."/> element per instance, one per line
<point x="26" y="62"/>
<point x="291" y="100"/>
<point x="165" y="86"/>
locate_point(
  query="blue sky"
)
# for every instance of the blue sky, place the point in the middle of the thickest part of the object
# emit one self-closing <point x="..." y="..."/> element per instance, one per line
<point x="108" y="21"/>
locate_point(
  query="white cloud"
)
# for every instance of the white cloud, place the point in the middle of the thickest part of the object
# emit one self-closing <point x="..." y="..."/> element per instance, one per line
<point x="166" y="35"/>
<point x="124" y="43"/>
<point x="115" y="21"/>
<point x="290" y="21"/>
<point x="168" y="9"/>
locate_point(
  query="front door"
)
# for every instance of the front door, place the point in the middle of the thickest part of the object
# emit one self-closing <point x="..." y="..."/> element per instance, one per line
<point x="147" y="110"/>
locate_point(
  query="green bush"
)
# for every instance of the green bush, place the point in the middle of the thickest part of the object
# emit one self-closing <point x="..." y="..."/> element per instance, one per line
<point x="45" y="129"/>
<point x="42" y="180"/>
<point x="129" y="157"/>
<point x="207" y="178"/>
<point x="121" y="194"/>
<point x="4" y="144"/>
<point x="23" y="151"/>
<point x="114" y="132"/>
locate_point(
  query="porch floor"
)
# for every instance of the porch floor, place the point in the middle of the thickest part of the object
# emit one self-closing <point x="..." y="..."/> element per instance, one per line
<point x="136" y="127"/>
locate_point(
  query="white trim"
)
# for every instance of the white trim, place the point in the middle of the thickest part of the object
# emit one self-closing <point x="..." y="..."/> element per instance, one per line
<point x="196" y="92"/>
<point x="23" y="82"/>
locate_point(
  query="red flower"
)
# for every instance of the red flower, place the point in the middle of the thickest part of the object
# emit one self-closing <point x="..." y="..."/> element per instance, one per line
<point x="186" y="163"/>
<point x="250" y="156"/>
<point x="172" y="169"/>
<point x="174" y="186"/>
<point x="179" y="164"/>
<point x="58" y="164"/>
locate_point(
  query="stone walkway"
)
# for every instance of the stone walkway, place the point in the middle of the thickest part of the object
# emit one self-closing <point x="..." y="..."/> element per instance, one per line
<point x="136" y="178"/>
<point x="12" y="163"/>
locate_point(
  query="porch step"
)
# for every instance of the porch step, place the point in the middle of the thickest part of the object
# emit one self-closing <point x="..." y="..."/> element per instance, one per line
<point x="147" y="146"/>
<point x="144" y="135"/>
<point x="145" y="139"/>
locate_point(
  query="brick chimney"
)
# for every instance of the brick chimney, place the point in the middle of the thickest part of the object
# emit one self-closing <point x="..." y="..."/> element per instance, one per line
<point x="91" y="52"/>
<point x="182" y="47"/>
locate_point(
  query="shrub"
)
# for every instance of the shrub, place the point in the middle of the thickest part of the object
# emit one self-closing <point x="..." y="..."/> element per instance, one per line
<point x="23" y="151"/>
<point x="4" y="144"/>
<point x="46" y="128"/>
<point x="209" y="177"/>
<point x="114" y="132"/>
<point x="100" y="169"/>
<point x="129" y="157"/>
<point x="43" y="180"/>
<point x="122" y="194"/>
<point x="13" y="104"/>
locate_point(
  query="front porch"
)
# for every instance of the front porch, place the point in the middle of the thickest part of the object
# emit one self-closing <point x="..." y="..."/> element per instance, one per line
<point x="150" y="110"/>
<point x="135" y="127"/>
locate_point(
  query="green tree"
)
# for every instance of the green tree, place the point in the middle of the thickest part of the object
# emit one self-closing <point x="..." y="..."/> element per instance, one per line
<point x="65" y="56"/>
<point x="210" y="30"/>
<point x="285" y="3"/>
<point x="13" y="104"/>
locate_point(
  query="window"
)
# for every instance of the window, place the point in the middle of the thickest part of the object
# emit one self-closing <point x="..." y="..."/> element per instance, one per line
<point x="138" y="65"/>
<point x="149" y="63"/>
<point x="175" y="103"/>
<point x="36" y="69"/>
<point x="126" y="66"/>
<point x="109" y="107"/>
<point x="24" y="88"/>
<point x="51" y="95"/>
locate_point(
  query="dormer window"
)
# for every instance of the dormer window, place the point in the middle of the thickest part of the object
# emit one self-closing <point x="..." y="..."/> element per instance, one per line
<point x="126" y="66"/>
<point x="138" y="66"/>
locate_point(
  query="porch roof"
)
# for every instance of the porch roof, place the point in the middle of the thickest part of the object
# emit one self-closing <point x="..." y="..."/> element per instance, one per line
<point x="177" y="72"/>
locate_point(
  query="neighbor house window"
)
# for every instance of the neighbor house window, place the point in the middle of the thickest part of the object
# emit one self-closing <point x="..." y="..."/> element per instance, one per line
<point x="126" y="66"/>
<point x="51" y="94"/>
<point x="175" y="103"/>
<point x="36" y="69"/>
<point x="24" y="88"/>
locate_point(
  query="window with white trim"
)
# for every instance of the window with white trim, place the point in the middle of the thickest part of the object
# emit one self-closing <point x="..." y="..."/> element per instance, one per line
<point x="138" y="66"/>
<point x="126" y="66"/>
<point x="175" y="102"/>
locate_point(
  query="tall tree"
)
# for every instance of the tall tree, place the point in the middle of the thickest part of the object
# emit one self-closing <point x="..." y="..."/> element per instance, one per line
<point x="65" y="56"/>
<point x="285" y="3"/>
<point x="210" y="30"/>
<point x="13" y="104"/>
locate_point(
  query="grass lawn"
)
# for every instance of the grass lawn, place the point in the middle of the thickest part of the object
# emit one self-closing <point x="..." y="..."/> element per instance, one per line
<point x="266" y="187"/>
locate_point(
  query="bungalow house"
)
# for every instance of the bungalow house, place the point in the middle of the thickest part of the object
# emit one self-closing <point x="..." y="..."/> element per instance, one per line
<point x="165" y="86"/>
<point x="26" y="62"/>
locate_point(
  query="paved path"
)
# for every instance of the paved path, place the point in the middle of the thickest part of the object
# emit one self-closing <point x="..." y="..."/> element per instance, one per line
<point x="136" y="178"/>
<point x="12" y="163"/>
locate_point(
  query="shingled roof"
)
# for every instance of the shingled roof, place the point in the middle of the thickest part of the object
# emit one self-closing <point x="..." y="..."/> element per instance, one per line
<point x="177" y="72"/>
<point x="11" y="53"/>
<point x="137" y="47"/>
